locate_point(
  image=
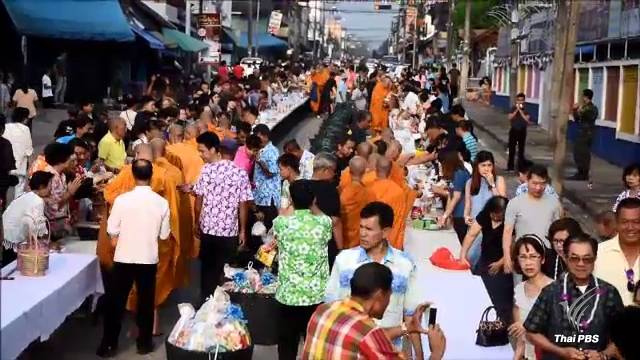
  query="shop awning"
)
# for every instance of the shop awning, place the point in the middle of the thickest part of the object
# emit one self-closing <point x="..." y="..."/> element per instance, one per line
<point x="184" y="41"/>
<point x="97" y="20"/>
<point x="264" y="40"/>
<point x="150" y="38"/>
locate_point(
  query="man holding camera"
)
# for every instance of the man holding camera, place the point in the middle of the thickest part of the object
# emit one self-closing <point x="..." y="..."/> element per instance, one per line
<point x="585" y="116"/>
<point x="519" y="119"/>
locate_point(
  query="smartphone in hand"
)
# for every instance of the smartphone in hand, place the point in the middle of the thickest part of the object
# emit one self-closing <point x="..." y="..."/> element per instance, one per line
<point x="433" y="312"/>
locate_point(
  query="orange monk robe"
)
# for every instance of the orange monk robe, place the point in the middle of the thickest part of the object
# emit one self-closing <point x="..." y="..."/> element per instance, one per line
<point x="191" y="166"/>
<point x="379" y="114"/>
<point x="220" y="132"/>
<point x="122" y="183"/>
<point x="181" y="222"/>
<point x="353" y="198"/>
<point x="390" y="193"/>
<point x="367" y="178"/>
<point x="397" y="175"/>
<point x="169" y="260"/>
<point x="192" y="143"/>
<point x="320" y="78"/>
<point x="38" y="165"/>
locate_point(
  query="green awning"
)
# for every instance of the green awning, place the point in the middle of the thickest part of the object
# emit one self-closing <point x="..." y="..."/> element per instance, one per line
<point x="184" y="41"/>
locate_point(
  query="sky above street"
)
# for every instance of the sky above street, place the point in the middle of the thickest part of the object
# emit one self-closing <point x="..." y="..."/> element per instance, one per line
<point x="361" y="19"/>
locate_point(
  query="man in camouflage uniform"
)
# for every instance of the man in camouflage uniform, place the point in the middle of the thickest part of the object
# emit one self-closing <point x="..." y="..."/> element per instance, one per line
<point x="585" y="117"/>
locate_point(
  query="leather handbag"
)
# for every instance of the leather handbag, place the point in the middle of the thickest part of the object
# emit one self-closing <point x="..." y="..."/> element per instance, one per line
<point x="491" y="332"/>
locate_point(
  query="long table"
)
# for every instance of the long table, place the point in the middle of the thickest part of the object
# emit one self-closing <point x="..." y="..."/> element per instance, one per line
<point x="459" y="296"/>
<point x="273" y="118"/>
<point x="34" y="307"/>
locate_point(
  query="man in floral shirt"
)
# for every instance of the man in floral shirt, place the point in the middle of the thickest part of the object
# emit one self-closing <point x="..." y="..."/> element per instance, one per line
<point x="266" y="177"/>
<point x="223" y="192"/>
<point x="304" y="266"/>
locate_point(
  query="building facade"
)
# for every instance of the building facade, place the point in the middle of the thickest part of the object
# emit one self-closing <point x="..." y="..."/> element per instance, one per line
<point x="607" y="61"/>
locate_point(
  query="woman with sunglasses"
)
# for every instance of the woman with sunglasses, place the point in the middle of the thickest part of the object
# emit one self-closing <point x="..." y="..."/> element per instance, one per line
<point x="559" y="231"/>
<point x="529" y="253"/>
<point x="571" y="319"/>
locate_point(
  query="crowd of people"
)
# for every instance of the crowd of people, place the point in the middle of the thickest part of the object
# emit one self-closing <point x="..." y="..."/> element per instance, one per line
<point x="173" y="180"/>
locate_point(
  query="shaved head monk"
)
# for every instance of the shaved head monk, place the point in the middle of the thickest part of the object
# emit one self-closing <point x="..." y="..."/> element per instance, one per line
<point x="387" y="191"/>
<point x="363" y="150"/>
<point x="176" y="134"/>
<point x="181" y="216"/>
<point x="183" y="146"/>
<point x="353" y="197"/>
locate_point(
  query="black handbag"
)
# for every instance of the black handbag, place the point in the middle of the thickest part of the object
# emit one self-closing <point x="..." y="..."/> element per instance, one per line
<point x="491" y="333"/>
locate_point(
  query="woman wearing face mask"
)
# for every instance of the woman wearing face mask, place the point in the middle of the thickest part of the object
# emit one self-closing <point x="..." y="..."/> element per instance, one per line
<point x="529" y="253"/>
<point x="559" y="231"/>
<point x="490" y="222"/>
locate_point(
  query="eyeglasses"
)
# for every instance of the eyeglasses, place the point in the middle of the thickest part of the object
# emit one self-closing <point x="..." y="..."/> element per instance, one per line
<point x="631" y="286"/>
<point x="558" y="241"/>
<point x="530" y="257"/>
<point x="587" y="260"/>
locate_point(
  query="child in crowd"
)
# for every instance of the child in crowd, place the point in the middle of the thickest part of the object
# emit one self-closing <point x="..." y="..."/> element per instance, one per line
<point x="463" y="130"/>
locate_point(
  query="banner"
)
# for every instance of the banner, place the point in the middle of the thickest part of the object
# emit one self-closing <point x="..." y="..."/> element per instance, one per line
<point x="209" y="29"/>
<point x="274" y="22"/>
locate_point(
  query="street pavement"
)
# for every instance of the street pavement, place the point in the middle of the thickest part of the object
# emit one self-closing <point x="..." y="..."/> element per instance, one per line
<point x="581" y="201"/>
<point x="78" y="337"/>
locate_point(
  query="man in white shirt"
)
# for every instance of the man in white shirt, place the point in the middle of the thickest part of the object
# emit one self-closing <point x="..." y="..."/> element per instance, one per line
<point x="138" y="219"/>
<point x="618" y="260"/>
<point x="47" y="91"/>
<point x="25" y="215"/>
<point x="305" y="157"/>
<point x="19" y="136"/>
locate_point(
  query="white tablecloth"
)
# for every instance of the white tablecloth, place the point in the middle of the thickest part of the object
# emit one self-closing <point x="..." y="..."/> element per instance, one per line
<point x="34" y="307"/>
<point x="272" y="117"/>
<point x="459" y="296"/>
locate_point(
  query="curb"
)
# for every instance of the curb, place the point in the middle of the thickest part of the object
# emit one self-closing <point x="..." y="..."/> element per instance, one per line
<point x="569" y="194"/>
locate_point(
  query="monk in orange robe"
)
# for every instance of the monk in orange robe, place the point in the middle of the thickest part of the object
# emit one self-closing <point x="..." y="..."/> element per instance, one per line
<point x="353" y="198"/>
<point x="191" y="132"/>
<point x="363" y="150"/>
<point x="378" y="108"/>
<point x="387" y="191"/>
<point x="181" y="218"/>
<point x="320" y="77"/>
<point x="191" y="166"/>
<point x="398" y="176"/>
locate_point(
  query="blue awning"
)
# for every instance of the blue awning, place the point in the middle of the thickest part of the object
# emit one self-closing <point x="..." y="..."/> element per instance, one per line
<point x="154" y="42"/>
<point x="264" y="41"/>
<point x="98" y="20"/>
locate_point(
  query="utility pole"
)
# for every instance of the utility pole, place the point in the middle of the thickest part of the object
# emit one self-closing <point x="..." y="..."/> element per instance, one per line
<point x="324" y="30"/>
<point x="257" y="29"/>
<point x="250" y="29"/>
<point x="450" y="50"/>
<point x="562" y="90"/>
<point x="466" y="48"/>
<point x="515" y="47"/>
<point x="404" y="34"/>
<point x="315" y="28"/>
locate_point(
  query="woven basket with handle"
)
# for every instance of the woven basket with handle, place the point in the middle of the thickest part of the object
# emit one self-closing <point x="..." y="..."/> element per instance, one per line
<point x="33" y="255"/>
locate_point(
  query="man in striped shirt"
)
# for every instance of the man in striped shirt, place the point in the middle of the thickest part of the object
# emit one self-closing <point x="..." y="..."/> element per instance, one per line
<point x="345" y="329"/>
